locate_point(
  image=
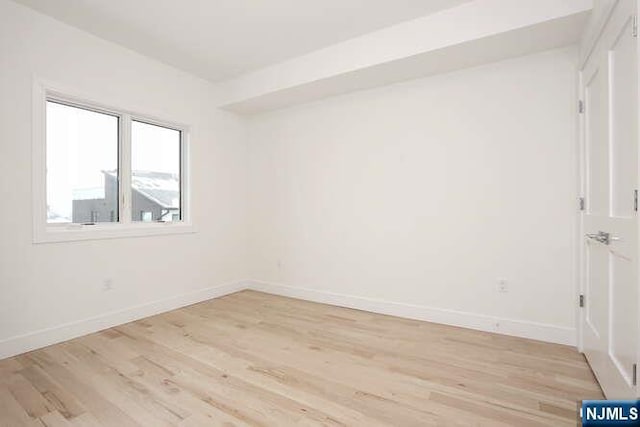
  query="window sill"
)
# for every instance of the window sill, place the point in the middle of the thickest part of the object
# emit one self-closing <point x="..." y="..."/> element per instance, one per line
<point x="79" y="232"/>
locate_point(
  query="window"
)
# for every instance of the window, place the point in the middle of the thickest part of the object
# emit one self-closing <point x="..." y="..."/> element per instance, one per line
<point x="82" y="165"/>
<point x="155" y="172"/>
<point x="103" y="172"/>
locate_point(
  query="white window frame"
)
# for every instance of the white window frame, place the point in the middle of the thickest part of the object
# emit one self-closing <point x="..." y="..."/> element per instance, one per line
<point x="44" y="232"/>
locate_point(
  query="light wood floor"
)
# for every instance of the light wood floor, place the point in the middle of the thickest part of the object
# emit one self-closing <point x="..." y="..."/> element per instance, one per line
<point x="256" y="359"/>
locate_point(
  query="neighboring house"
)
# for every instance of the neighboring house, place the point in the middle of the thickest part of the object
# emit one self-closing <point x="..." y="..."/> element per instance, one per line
<point x="155" y="197"/>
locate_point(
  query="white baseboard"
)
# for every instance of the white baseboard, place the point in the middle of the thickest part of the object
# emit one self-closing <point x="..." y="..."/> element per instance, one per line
<point x="519" y="328"/>
<point x="44" y="337"/>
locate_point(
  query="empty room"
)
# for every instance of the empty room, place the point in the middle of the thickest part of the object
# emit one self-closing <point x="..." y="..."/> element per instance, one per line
<point x="319" y="212"/>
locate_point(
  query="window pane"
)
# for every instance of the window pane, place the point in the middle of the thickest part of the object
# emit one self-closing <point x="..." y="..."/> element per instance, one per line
<point x="82" y="165"/>
<point x="155" y="170"/>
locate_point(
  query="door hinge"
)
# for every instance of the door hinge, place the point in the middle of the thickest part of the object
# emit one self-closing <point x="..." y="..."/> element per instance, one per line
<point x="634" y="28"/>
<point x="581" y="300"/>
<point x="581" y="203"/>
<point x="635" y="200"/>
<point x="581" y="106"/>
<point x="634" y="374"/>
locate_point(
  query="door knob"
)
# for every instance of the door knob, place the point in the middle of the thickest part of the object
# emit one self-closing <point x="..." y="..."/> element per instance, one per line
<point x="602" y="237"/>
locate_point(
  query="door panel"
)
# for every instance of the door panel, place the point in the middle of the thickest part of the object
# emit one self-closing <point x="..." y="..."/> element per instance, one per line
<point x="624" y="313"/>
<point x="623" y="100"/>
<point x="597" y="153"/>
<point x="598" y="296"/>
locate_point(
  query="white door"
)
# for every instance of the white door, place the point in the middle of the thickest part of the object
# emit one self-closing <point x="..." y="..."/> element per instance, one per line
<point x="610" y="322"/>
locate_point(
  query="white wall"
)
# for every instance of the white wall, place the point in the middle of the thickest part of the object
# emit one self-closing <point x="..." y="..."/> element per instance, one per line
<point x="48" y="285"/>
<point x="425" y="193"/>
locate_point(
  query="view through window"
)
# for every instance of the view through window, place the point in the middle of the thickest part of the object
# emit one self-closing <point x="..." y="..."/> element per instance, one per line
<point x="155" y="173"/>
<point x="82" y="165"/>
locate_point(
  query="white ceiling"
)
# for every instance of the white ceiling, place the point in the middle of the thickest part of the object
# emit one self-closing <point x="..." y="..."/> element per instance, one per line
<point x="218" y="39"/>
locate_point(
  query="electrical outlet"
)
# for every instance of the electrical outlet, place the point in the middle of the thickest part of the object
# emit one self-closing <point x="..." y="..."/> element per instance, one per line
<point x="107" y="285"/>
<point x="503" y="286"/>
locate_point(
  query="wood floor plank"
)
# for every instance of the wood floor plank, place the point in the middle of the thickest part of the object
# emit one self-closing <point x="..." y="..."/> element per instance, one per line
<point x="12" y="414"/>
<point x="31" y="400"/>
<point x="62" y="400"/>
<point x="253" y="359"/>
<point x="54" y="419"/>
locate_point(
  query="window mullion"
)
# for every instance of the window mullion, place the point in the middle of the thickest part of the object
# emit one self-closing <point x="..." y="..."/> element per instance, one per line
<point x="125" y="170"/>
